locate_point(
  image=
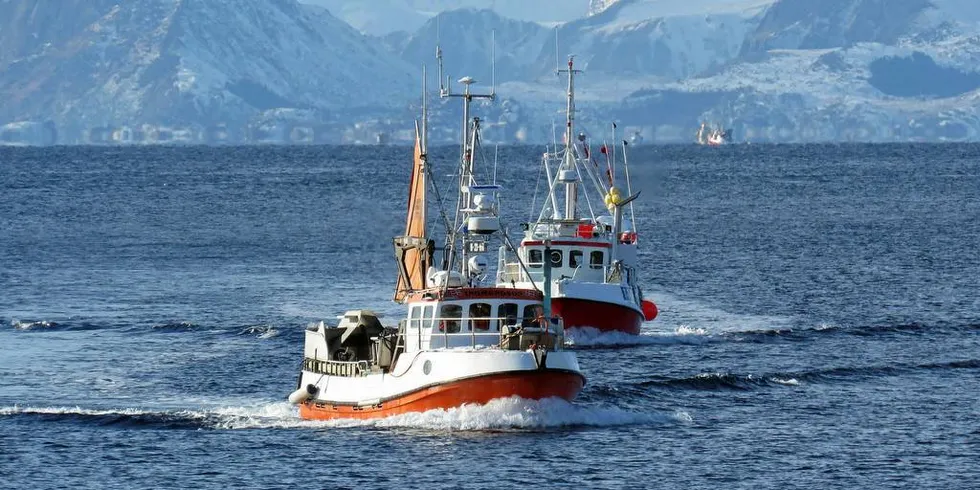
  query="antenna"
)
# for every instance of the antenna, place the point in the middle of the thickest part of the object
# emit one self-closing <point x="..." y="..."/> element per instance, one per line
<point x="557" y="56"/>
<point x="613" y="147"/>
<point x="493" y="61"/>
<point x="444" y="89"/>
<point x="495" y="148"/>
<point x="425" y="115"/>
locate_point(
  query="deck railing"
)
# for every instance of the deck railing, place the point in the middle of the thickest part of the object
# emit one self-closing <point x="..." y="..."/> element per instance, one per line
<point x="509" y="272"/>
<point x="437" y="332"/>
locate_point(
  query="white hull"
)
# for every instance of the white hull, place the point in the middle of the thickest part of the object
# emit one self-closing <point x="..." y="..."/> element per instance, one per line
<point x="444" y="366"/>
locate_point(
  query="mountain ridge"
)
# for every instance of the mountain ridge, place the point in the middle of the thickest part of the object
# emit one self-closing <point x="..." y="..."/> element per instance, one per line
<point x="261" y="70"/>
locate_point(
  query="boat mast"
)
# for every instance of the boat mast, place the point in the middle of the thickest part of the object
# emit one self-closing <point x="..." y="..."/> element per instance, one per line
<point x="567" y="173"/>
<point x="424" y="143"/>
<point x="413" y="250"/>
<point x="468" y="142"/>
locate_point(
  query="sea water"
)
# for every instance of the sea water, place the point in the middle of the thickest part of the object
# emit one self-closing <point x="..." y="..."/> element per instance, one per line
<point x="819" y="325"/>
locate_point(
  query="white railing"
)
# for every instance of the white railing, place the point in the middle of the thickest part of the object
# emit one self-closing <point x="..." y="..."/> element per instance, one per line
<point x="435" y="332"/>
<point x="336" y="368"/>
<point x="512" y="271"/>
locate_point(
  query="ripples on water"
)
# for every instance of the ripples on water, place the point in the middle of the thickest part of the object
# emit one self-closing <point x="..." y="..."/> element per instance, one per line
<point x="819" y="323"/>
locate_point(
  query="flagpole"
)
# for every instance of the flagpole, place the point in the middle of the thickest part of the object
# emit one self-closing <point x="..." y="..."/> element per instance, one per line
<point x="613" y="152"/>
<point x="629" y="186"/>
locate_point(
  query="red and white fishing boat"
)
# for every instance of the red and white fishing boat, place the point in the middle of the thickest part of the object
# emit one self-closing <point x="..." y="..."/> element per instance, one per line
<point x="462" y="341"/>
<point x="591" y="249"/>
<point x="713" y="136"/>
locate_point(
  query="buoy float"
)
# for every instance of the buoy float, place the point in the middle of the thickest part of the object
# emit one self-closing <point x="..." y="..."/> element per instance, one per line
<point x="612" y="198"/>
<point x="649" y="310"/>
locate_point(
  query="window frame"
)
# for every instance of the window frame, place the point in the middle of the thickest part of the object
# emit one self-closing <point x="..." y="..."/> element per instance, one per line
<point x="601" y="262"/>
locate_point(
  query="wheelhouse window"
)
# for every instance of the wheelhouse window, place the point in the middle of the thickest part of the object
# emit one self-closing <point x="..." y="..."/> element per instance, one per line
<point x="596" y="259"/>
<point x="574" y="258"/>
<point x="535" y="258"/>
<point x="507" y="313"/>
<point x="531" y="314"/>
<point x="414" y="317"/>
<point x="557" y="257"/>
<point x="428" y="316"/>
<point x="480" y="316"/>
<point x="449" y="318"/>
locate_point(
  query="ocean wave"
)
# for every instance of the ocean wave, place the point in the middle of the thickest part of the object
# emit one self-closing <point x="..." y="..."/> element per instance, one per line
<point x="260" y="331"/>
<point x="807" y="332"/>
<point x="33" y="325"/>
<point x="588" y="337"/>
<point x="733" y="381"/>
<point x="723" y="381"/>
<point x="176" y="327"/>
<point x="60" y="325"/>
<point x="268" y="415"/>
<point x="498" y="415"/>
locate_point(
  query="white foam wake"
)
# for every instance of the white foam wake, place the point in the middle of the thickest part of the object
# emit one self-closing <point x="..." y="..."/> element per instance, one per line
<point x="517" y="413"/>
<point x="593" y="337"/>
<point x="501" y="414"/>
<point x="260" y="331"/>
<point x="32" y="325"/>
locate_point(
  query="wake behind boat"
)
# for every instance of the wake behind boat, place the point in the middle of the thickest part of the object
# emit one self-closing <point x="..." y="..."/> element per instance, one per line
<point x="462" y="341"/>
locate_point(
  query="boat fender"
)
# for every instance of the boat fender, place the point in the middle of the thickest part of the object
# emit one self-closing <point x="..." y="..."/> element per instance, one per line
<point x="301" y="395"/>
<point x="649" y="310"/>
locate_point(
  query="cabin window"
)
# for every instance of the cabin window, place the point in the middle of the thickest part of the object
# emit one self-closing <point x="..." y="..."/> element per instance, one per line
<point x="531" y="314"/>
<point x="449" y="318"/>
<point x="428" y="316"/>
<point x="535" y="258"/>
<point x="414" y="317"/>
<point x="556" y="258"/>
<point x="480" y="316"/>
<point x="574" y="258"/>
<point x="507" y="313"/>
<point x="596" y="259"/>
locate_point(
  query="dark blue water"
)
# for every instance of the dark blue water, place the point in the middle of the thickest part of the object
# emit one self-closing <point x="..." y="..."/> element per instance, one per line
<point x="820" y="324"/>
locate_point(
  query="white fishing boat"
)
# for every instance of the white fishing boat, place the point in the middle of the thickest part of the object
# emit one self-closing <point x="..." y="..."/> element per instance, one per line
<point x="463" y="340"/>
<point x="585" y="241"/>
<point x="713" y="135"/>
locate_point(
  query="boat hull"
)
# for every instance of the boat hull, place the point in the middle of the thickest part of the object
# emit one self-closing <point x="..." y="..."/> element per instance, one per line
<point x="532" y="385"/>
<point x="601" y="315"/>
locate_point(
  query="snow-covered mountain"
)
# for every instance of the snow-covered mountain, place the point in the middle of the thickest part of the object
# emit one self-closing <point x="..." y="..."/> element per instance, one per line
<point x="774" y="70"/>
<point x="93" y="63"/>
<point x="840" y="70"/>
<point x="465" y="36"/>
<point x="383" y="17"/>
<point x="666" y="38"/>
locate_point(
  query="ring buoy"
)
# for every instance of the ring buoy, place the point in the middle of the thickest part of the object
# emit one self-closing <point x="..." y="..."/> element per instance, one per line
<point x="627" y="237"/>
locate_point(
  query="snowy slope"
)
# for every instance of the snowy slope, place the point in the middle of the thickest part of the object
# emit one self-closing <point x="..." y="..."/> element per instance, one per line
<point x="465" y="36"/>
<point x="382" y="17"/>
<point x="188" y="61"/>
<point x="666" y="38"/>
<point x="868" y="91"/>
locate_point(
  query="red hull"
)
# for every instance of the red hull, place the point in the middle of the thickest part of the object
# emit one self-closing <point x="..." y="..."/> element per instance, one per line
<point x="533" y="385"/>
<point x="607" y="317"/>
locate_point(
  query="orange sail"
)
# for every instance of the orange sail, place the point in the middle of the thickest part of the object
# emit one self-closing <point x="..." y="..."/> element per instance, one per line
<point x="413" y="250"/>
